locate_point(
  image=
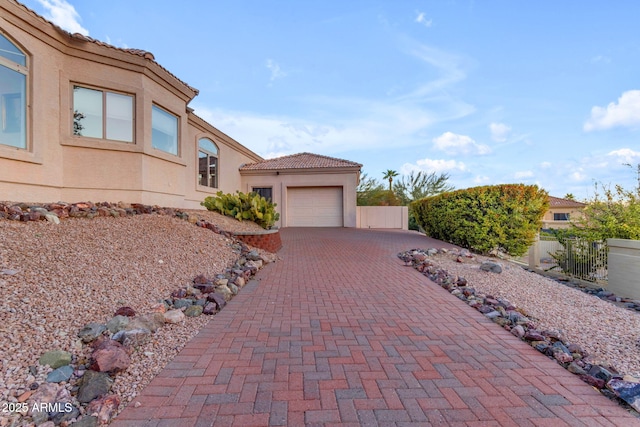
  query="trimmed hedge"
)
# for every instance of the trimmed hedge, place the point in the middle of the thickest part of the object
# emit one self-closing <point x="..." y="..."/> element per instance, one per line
<point x="249" y="206"/>
<point x="483" y="219"/>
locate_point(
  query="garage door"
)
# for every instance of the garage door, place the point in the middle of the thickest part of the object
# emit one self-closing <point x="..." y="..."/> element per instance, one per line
<point x="314" y="207"/>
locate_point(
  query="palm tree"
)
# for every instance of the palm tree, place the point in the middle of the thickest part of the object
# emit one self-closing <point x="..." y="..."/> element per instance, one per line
<point x="390" y="174"/>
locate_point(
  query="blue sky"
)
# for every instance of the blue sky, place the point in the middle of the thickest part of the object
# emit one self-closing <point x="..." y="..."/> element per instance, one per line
<point x="491" y="92"/>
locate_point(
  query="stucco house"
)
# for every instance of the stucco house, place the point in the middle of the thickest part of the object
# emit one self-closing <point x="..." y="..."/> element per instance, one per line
<point x="84" y="120"/>
<point x="561" y="212"/>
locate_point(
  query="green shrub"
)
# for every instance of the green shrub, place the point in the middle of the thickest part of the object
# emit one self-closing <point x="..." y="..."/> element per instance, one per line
<point x="241" y="206"/>
<point x="483" y="219"/>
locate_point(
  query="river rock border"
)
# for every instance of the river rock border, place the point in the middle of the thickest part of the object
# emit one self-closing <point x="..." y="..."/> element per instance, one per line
<point x="606" y="379"/>
<point x="112" y="343"/>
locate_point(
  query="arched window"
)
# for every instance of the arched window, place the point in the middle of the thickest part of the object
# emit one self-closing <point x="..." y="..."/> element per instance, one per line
<point x="13" y="94"/>
<point x="207" y="163"/>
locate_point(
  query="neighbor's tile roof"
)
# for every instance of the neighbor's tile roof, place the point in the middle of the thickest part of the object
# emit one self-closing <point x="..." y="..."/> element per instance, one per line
<point x="300" y="161"/>
<point x="557" y="202"/>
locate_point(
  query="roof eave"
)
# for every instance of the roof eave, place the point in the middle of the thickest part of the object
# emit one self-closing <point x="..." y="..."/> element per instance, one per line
<point x="301" y="171"/>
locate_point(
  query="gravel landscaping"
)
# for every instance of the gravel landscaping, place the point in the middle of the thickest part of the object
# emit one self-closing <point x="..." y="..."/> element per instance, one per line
<point x="607" y="332"/>
<point x="56" y="278"/>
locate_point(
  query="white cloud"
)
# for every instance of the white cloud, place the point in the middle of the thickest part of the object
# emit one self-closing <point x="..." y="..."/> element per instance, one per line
<point x="352" y="123"/>
<point x="545" y="165"/>
<point x="625" y="155"/>
<point x="481" y="180"/>
<point x="625" y="113"/>
<point x="378" y="125"/>
<point x="578" y="175"/>
<point x="276" y="71"/>
<point x="421" y="19"/>
<point x="432" y="165"/>
<point x="523" y="174"/>
<point x="499" y="131"/>
<point x="452" y="143"/>
<point x="63" y="15"/>
<point x="600" y="58"/>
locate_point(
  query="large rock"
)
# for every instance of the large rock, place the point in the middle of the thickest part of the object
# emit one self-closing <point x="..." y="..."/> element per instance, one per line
<point x="217" y="299"/>
<point x="61" y="374"/>
<point x="52" y="217"/>
<point x="205" y="288"/>
<point x="91" y="332"/>
<point x="629" y="391"/>
<point x="174" y="316"/>
<point x="150" y="321"/>
<point x="240" y="281"/>
<point x="110" y="356"/>
<point x="491" y="266"/>
<point x="533" y="335"/>
<point x="104" y="408"/>
<point x="133" y="337"/>
<point x="210" y="308"/>
<point x="182" y="303"/>
<point x="92" y="385"/>
<point x="518" y="331"/>
<point x="225" y="292"/>
<point x="117" y="323"/>
<point x="593" y="381"/>
<point x="46" y="394"/>
<point x="600" y="373"/>
<point x="125" y="311"/>
<point x="55" y="358"/>
<point x="65" y="413"/>
<point x="193" y="311"/>
<point x="233" y="288"/>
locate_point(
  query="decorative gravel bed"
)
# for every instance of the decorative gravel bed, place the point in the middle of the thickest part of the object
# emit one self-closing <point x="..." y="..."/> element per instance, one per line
<point x="56" y="278"/>
<point x="590" y="337"/>
<point x="609" y="333"/>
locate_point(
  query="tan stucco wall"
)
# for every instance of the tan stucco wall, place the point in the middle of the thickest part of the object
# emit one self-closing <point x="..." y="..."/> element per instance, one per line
<point x="394" y="217"/>
<point x="548" y="222"/>
<point x="624" y="267"/>
<point x="287" y="179"/>
<point x="58" y="165"/>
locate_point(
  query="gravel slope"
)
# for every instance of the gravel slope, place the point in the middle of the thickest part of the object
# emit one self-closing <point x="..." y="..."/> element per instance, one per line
<point x="609" y="333"/>
<point x="54" y="279"/>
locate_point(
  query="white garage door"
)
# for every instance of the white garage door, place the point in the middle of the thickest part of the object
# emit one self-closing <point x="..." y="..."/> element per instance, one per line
<point x="314" y="207"/>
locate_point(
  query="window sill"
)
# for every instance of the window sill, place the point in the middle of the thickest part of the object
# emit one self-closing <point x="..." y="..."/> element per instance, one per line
<point x="205" y="189"/>
<point x="101" y="144"/>
<point x="21" y="155"/>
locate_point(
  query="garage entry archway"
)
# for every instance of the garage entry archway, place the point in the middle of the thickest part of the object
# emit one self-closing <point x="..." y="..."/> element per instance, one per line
<point x="314" y="207"/>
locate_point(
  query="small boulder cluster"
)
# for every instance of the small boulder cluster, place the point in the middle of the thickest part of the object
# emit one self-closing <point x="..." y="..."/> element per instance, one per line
<point x="603" y="294"/>
<point x="113" y="343"/>
<point x="210" y="295"/>
<point x="54" y="212"/>
<point x="551" y="343"/>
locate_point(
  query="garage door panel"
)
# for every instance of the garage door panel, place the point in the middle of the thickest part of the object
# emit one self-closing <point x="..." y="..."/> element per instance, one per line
<point x="314" y="207"/>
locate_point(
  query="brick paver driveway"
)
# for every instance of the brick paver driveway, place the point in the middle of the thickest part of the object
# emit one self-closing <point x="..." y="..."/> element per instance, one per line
<point x="340" y="332"/>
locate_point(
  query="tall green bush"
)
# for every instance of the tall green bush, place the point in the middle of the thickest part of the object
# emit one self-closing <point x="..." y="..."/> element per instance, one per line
<point x="486" y="218"/>
<point x="249" y="207"/>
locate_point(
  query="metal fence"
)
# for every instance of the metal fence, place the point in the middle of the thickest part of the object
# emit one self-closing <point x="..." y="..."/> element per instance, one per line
<point x="582" y="259"/>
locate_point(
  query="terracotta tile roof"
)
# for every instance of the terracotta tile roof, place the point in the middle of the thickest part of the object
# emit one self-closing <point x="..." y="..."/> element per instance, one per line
<point x="557" y="202"/>
<point x="137" y="52"/>
<point x="300" y="161"/>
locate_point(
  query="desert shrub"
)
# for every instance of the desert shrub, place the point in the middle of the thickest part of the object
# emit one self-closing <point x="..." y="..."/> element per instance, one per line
<point x="483" y="219"/>
<point x="248" y="207"/>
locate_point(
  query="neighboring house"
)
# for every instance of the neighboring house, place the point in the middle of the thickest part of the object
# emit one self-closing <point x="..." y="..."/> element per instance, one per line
<point x="83" y="120"/>
<point x="561" y="213"/>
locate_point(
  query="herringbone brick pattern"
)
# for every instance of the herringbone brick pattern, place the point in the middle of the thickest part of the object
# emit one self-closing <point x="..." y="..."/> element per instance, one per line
<point x="340" y="333"/>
